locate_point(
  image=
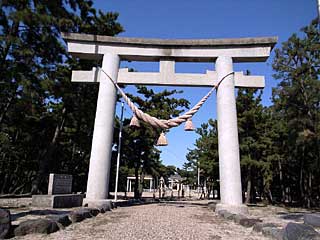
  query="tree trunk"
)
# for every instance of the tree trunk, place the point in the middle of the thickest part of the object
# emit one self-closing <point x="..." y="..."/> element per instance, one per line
<point x="13" y="179"/>
<point x="249" y="186"/>
<point x="4" y="184"/>
<point x="12" y="33"/>
<point x="283" y="193"/>
<point x="248" y="197"/>
<point x="45" y="159"/>
<point x="301" y="186"/>
<point x="269" y="196"/>
<point x="141" y="184"/>
<point x="309" y="199"/>
<point x="136" y="182"/>
<point x="289" y="196"/>
<point x="5" y="109"/>
<point x="2" y="167"/>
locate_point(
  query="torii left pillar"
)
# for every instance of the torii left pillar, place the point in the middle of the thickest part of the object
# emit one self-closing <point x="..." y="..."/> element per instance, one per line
<point x="100" y="159"/>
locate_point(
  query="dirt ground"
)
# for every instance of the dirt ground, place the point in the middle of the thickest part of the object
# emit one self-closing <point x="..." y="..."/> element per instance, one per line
<point x="155" y="221"/>
<point x="171" y="220"/>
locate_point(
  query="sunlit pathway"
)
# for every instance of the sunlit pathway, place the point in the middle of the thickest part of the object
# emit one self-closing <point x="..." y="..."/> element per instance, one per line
<point x="155" y="221"/>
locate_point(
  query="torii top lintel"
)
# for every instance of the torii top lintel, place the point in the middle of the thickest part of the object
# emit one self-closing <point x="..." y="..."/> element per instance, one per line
<point x="179" y="50"/>
<point x="167" y="52"/>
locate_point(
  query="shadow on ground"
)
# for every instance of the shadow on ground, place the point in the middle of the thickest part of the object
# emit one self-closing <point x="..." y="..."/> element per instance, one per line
<point x="294" y="216"/>
<point x="15" y="216"/>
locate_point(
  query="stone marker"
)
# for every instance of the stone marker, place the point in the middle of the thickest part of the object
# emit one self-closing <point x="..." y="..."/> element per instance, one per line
<point x="58" y="201"/>
<point x="5" y="223"/>
<point x="59" y="193"/>
<point x="59" y="184"/>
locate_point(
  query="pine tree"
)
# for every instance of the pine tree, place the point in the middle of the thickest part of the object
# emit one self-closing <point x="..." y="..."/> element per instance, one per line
<point x="297" y="100"/>
<point x="36" y="96"/>
<point x="254" y="142"/>
<point x="205" y="155"/>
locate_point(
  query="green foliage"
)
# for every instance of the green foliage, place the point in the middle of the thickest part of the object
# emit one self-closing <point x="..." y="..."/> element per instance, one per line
<point x="46" y="123"/>
<point x="254" y="142"/>
<point x="204" y="157"/>
<point x="297" y="103"/>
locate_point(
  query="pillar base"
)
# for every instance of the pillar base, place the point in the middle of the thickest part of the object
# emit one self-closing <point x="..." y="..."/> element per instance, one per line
<point x="236" y="209"/>
<point x="105" y="204"/>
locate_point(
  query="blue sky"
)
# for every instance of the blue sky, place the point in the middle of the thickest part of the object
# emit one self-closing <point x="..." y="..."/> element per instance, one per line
<point x="208" y="19"/>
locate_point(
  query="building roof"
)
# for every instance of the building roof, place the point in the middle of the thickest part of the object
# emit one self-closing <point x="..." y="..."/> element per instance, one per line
<point x="176" y="177"/>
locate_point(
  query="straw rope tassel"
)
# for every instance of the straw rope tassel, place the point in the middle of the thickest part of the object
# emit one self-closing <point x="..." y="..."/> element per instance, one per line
<point x="189" y="125"/>
<point x="134" y="121"/>
<point x="162" y="140"/>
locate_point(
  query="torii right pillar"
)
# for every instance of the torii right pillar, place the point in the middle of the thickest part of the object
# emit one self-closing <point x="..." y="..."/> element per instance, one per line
<point x="228" y="141"/>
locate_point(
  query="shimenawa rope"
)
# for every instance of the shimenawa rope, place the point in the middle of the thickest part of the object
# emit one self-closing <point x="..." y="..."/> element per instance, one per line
<point x="162" y="123"/>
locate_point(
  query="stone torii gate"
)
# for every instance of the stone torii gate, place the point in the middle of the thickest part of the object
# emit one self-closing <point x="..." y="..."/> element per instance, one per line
<point x="224" y="52"/>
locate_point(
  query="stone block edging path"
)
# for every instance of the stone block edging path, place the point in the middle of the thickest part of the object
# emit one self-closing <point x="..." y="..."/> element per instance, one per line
<point x="292" y="231"/>
<point x="53" y="222"/>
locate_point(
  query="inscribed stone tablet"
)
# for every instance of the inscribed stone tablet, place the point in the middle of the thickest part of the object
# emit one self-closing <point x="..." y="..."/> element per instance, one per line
<point x="59" y="184"/>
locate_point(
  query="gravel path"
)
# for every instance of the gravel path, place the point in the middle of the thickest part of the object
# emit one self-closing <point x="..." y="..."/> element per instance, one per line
<point x="155" y="221"/>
